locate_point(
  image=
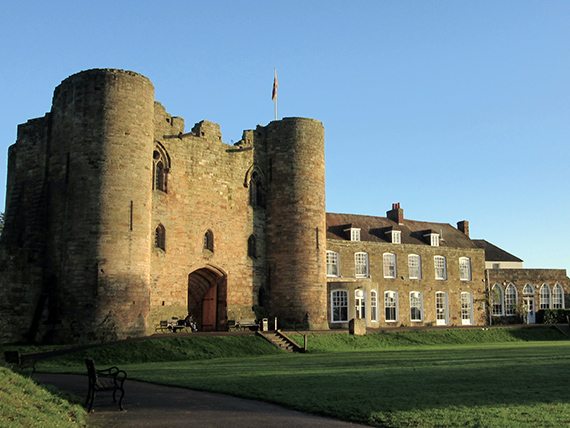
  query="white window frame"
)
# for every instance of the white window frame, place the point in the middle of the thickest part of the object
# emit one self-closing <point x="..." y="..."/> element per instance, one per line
<point x="360" y="305"/>
<point x="396" y="237"/>
<point x="373" y="306"/>
<point x="440" y="267"/>
<point x="339" y="306"/>
<point x="545" y="296"/>
<point x="441" y="308"/>
<point x="332" y="264"/>
<point x="466" y="308"/>
<point x="391" y="306"/>
<point x="416" y="306"/>
<point x="434" y="239"/>
<point x="389" y="263"/>
<point x="361" y="265"/>
<point x="354" y="234"/>
<point x="511" y="300"/>
<point x="464" y="268"/>
<point x="414" y="270"/>
<point x="528" y="289"/>
<point x="498" y="300"/>
<point x="557" y="297"/>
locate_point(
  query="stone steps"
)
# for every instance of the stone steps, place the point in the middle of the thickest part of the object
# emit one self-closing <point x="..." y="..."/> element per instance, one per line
<point x="281" y="341"/>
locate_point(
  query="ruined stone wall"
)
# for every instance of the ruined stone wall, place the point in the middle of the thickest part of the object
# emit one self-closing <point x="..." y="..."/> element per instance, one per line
<point x="23" y="238"/>
<point x="403" y="285"/>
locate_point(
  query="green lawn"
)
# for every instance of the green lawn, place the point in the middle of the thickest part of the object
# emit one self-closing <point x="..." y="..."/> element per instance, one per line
<point x="25" y="404"/>
<point x="496" y="378"/>
<point x="498" y="385"/>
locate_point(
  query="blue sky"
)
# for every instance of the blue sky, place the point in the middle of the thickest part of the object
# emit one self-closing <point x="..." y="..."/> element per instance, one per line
<point x="459" y="110"/>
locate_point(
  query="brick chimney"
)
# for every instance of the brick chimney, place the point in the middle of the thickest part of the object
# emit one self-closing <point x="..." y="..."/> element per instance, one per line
<point x="463" y="226"/>
<point x="396" y="214"/>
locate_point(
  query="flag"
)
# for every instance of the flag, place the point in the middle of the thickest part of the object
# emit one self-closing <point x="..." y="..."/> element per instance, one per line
<point x="275" y="86"/>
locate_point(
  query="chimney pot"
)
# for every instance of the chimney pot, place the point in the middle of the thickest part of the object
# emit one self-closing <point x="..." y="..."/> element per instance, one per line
<point x="396" y="214"/>
<point x="463" y="226"/>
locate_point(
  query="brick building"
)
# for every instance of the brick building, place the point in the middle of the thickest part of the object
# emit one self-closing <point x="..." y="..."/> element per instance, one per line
<point x="117" y="217"/>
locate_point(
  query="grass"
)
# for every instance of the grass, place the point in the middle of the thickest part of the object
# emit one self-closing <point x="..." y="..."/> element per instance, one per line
<point x="475" y="378"/>
<point x="25" y="404"/>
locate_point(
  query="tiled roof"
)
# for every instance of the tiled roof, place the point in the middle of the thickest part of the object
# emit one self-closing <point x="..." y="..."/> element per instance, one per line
<point x="374" y="229"/>
<point x="494" y="253"/>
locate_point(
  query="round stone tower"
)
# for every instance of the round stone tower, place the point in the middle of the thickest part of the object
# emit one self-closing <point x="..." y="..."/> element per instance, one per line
<point x="99" y="204"/>
<point x="296" y="222"/>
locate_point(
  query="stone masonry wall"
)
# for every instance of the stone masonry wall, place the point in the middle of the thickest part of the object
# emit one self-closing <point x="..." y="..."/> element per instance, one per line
<point x="296" y="221"/>
<point x="403" y="285"/>
<point x="206" y="191"/>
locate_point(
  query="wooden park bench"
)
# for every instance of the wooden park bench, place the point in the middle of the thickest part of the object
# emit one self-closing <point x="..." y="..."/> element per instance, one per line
<point x="173" y="326"/>
<point x="162" y="327"/>
<point x="22" y="361"/>
<point x="243" y="324"/>
<point x="111" y="379"/>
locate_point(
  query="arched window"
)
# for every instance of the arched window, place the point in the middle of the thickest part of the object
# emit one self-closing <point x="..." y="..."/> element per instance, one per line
<point x="528" y="289"/>
<point x="361" y="265"/>
<point x="440" y="267"/>
<point x="160" y="237"/>
<point x="339" y="306"/>
<point x="389" y="265"/>
<point x="441" y="308"/>
<point x="373" y="306"/>
<point x="416" y="306"/>
<point x="209" y="241"/>
<point x="497" y="300"/>
<point x="545" y="296"/>
<point x="332" y="264"/>
<point x="511" y="300"/>
<point x="414" y="266"/>
<point x="161" y="167"/>
<point x="391" y="306"/>
<point x="465" y="269"/>
<point x="466" y="308"/>
<point x="360" y="304"/>
<point x="252" y="247"/>
<point x="256" y="191"/>
<point x="558" y="297"/>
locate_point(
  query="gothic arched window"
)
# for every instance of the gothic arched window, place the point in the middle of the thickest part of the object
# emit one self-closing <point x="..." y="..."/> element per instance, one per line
<point x="160" y="237"/>
<point x="209" y="241"/>
<point x="160" y="169"/>
<point x="256" y="192"/>
<point x="251" y="247"/>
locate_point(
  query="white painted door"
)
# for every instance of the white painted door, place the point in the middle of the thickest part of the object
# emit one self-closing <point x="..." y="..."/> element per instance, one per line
<point x="441" y="308"/>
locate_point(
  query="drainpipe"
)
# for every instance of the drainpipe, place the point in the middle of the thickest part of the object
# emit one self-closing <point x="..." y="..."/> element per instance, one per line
<point x="490" y="298"/>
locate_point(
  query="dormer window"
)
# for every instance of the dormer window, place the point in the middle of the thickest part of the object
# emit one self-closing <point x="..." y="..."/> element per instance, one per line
<point x="354" y="234"/>
<point x="433" y="239"/>
<point x="396" y="236"/>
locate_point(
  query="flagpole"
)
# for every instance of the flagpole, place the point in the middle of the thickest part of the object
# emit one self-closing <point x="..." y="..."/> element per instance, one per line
<point x="274" y="94"/>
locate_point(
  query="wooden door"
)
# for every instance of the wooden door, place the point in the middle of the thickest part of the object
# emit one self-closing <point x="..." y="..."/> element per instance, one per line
<point x="209" y="309"/>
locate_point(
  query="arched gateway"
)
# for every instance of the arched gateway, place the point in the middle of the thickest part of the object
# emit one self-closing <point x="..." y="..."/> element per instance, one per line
<point x="207" y="291"/>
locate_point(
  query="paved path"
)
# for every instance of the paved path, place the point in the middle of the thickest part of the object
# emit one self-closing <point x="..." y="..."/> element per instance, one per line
<point x="157" y="406"/>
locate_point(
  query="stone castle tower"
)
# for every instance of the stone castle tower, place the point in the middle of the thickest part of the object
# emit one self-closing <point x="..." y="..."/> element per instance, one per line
<point x="117" y="217"/>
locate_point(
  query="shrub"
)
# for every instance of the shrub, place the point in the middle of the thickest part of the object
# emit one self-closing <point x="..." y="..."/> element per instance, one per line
<point x="555" y="316"/>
